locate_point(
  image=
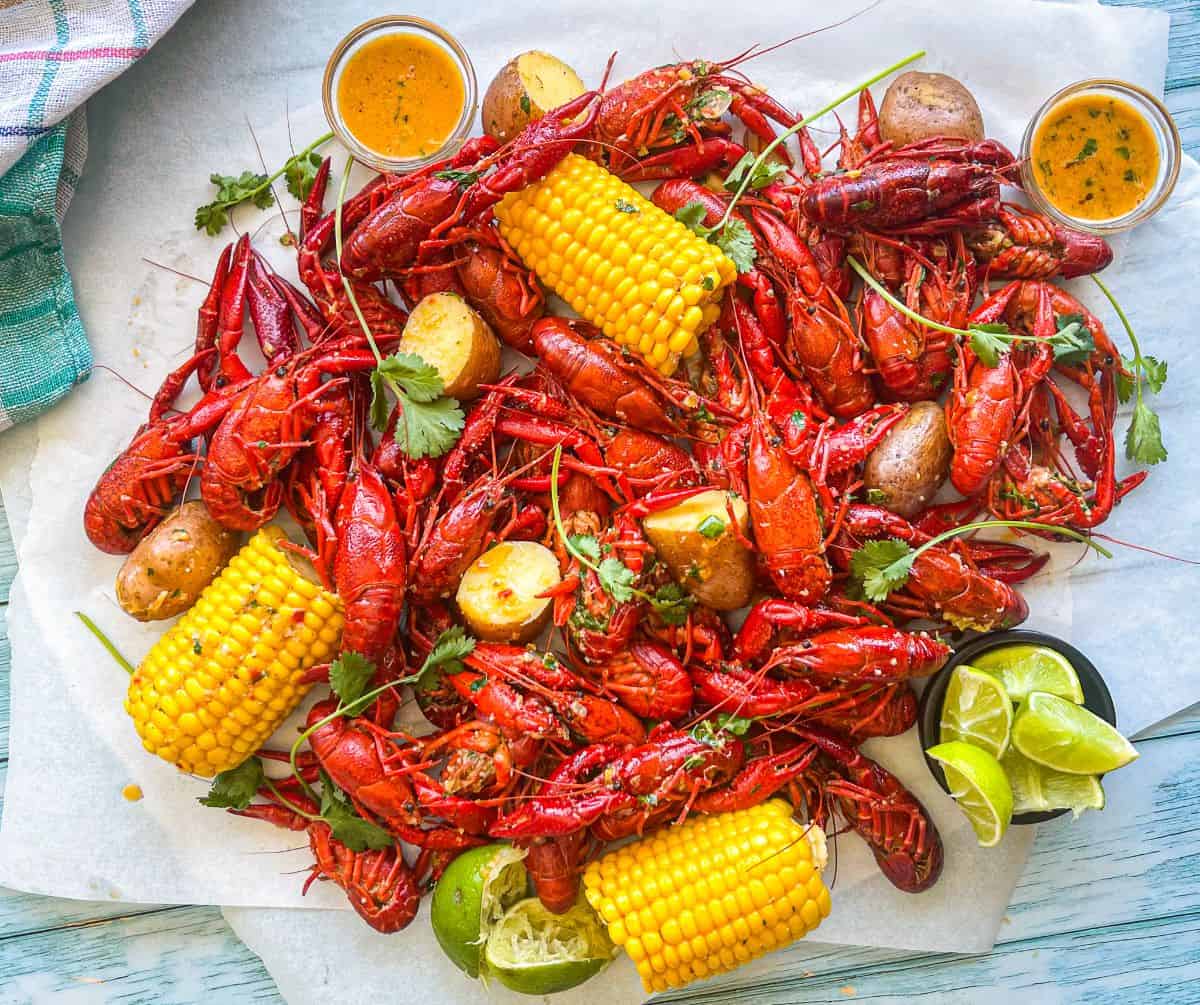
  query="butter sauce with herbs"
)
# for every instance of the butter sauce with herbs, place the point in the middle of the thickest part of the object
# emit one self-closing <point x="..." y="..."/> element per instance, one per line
<point x="401" y="95"/>
<point x="1095" y="157"/>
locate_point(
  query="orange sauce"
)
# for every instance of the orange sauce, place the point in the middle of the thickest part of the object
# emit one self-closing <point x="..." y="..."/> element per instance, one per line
<point x="1095" y="157"/>
<point x="401" y="95"/>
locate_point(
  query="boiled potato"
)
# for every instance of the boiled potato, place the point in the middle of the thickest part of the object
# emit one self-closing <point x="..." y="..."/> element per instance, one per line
<point x="172" y="564"/>
<point x="446" y="332"/>
<point x="498" y="595"/>
<point x="528" y="86"/>
<point x="920" y="105"/>
<point x="702" y="551"/>
<point x="905" y="471"/>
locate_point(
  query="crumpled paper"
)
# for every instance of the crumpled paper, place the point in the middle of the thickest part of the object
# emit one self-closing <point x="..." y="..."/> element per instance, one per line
<point x="73" y="749"/>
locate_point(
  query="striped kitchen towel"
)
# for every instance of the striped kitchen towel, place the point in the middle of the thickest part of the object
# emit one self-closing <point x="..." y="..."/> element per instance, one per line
<point x="54" y="54"/>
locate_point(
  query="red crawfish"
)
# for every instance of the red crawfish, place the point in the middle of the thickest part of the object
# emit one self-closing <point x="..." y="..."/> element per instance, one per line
<point x="388" y="241"/>
<point x="924" y="186"/>
<point x="868" y="654"/>
<point x="263" y="432"/>
<point x="943" y="583"/>
<point x="370" y="570"/>
<point x="599" y="375"/>
<point x="896" y="827"/>
<point x="666" y="105"/>
<point x="367" y="763"/>
<point x="379" y="884"/>
<point x="590" y="717"/>
<point x="649" y="680"/>
<point x="1023" y="244"/>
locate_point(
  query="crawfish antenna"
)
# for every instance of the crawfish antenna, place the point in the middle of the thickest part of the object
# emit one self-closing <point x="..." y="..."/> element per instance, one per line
<point x="754" y="51"/>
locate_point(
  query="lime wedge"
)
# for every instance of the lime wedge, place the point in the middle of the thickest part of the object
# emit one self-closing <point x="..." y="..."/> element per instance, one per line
<point x="979" y="786"/>
<point x="471" y="896"/>
<point x="535" y="952"/>
<point x="1026" y="668"/>
<point x="1037" y="788"/>
<point x="1054" y="732"/>
<point x="977" y="710"/>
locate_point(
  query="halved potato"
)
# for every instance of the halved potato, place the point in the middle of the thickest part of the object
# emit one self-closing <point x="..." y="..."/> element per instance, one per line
<point x="498" y="595"/>
<point x="525" y="89"/>
<point x="446" y="332"/>
<point x="705" y="555"/>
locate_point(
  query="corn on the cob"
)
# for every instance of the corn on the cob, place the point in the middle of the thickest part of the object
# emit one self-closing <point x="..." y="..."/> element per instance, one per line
<point x="622" y="263"/>
<point x="219" y="682"/>
<point x="711" y="894"/>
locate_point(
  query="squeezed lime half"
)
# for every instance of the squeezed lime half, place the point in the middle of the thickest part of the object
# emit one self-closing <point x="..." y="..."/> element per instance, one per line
<point x="535" y="952"/>
<point x="471" y="897"/>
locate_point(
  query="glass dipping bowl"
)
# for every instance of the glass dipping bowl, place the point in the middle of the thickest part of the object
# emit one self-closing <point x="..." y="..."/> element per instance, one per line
<point x="388" y="25"/>
<point x="1165" y="133"/>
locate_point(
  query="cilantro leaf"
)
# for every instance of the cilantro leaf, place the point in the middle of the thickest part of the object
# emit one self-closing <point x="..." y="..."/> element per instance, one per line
<point x="736" y="241"/>
<point x="987" y="344"/>
<point x="625" y="206"/>
<point x="464" y="179"/>
<point x="300" y="172"/>
<point x="616" y="579"/>
<point x="585" y="545"/>
<point x="420" y="380"/>
<point x="672" y="603"/>
<point x="428" y="429"/>
<point x="763" y="175"/>
<point x="881" y="567"/>
<point x="211" y="218"/>
<point x="1143" y="439"/>
<point x="349" y="675"/>
<point x="447" y="654"/>
<point x="380" y="409"/>
<point x="877" y="497"/>
<point x="347" y="826"/>
<point x="232" y="190"/>
<point x="233" y="789"/>
<point x="1073" y="343"/>
<point x="735" y="724"/>
<point x="692" y="216"/>
<point x="1155" y="371"/>
<point x="1125" y="384"/>
<point x="1089" y="147"/>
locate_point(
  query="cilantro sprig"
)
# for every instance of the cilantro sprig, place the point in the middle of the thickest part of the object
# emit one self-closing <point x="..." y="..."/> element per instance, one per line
<point x="671" y="603"/>
<point x="882" y="566"/>
<point x="299" y="171"/>
<point x="236" y="788"/>
<point x="1071" y="343"/>
<point x="733" y="237"/>
<point x="451" y="648"/>
<point x="1143" y="439"/>
<point x="429" y="424"/>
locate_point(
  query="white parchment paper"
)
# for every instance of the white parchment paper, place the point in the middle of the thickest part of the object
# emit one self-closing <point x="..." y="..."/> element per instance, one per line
<point x="66" y="829"/>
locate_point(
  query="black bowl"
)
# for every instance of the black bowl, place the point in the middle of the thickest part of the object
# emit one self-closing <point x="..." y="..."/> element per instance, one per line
<point x="1096" y="698"/>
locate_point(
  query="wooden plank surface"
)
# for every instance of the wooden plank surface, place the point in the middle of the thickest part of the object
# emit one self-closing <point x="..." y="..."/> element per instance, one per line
<point x="1108" y="909"/>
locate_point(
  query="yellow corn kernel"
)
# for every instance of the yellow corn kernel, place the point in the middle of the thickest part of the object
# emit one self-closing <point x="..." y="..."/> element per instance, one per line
<point x="642" y="277"/>
<point x="218" y="683"/>
<point x="711" y="894"/>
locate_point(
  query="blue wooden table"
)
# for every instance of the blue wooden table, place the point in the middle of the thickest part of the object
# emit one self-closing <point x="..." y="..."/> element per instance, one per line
<point x="1108" y="909"/>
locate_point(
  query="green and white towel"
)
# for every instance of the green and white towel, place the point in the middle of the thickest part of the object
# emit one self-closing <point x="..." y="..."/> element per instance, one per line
<point x="54" y="54"/>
